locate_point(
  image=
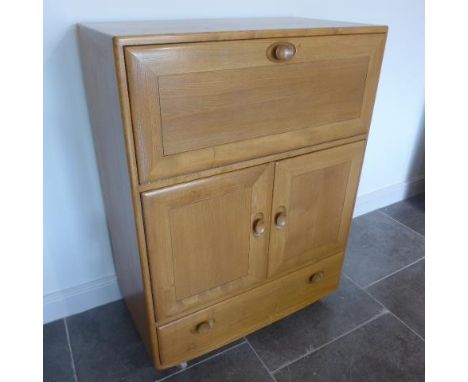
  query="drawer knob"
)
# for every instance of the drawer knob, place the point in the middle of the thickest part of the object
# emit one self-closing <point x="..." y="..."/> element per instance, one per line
<point x="284" y="51"/>
<point x="316" y="277"/>
<point x="280" y="220"/>
<point x="204" y="327"/>
<point x="259" y="227"/>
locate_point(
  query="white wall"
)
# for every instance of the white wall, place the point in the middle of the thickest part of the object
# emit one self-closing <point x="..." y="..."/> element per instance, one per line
<point x="78" y="268"/>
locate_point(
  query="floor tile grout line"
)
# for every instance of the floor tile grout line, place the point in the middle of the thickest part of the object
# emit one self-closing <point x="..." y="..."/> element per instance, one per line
<point x="75" y="376"/>
<point x="402" y="224"/>
<point x="289" y="363"/>
<point x="405" y="324"/>
<point x="201" y="361"/>
<point x="261" y="360"/>
<point x="384" y="306"/>
<point x="389" y="275"/>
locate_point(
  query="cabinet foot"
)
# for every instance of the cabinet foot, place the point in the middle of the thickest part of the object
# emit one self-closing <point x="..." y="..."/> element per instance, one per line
<point x="183" y="365"/>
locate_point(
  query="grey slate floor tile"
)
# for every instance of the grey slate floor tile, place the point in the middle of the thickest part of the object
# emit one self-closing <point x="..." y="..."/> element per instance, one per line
<point x="379" y="246"/>
<point x="410" y="212"/>
<point x="403" y="294"/>
<point x="57" y="363"/>
<point x="304" y="331"/>
<point x="239" y="364"/>
<point x="107" y="347"/>
<point x="384" y="350"/>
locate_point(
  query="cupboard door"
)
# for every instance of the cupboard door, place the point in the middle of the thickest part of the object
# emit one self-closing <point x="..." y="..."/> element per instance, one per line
<point x="208" y="238"/>
<point x="312" y="206"/>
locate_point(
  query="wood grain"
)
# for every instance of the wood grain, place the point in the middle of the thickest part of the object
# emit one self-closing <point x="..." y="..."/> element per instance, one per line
<point x="174" y="31"/>
<point x="316" y="194"/>
<point x="201" y="106"/>
<point x="117" y="170"/>
<point x="200" y="238"/>
<point x="247" y="312"/>
<point x="200" y="110"/>
<point x="248" y="163"/>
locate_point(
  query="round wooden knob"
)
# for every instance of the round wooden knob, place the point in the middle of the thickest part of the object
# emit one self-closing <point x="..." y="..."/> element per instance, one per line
<point x="259" y="227"/>
<point x="316" y="277"/>
<point x="204" y="327"/>
<point x="280" y="220"/>
<point x="284" y="52"/>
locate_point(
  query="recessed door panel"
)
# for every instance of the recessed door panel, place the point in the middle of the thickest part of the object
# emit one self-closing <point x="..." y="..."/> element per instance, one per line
<point x="208" y="238"/>
<point x="312" y="206"/>
<point x="197" y="106"/>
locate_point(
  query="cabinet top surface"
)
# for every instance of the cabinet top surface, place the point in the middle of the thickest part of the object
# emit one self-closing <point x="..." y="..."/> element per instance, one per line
<point x="129" y="29"/>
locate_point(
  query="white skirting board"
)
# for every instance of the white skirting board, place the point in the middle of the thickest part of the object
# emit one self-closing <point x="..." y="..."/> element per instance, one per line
<point x="88" y="295"/>
<point x="385" y="196"/>
<point x="79" y="298"/>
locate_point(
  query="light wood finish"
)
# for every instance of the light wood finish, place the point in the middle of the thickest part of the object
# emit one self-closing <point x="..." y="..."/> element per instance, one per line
<point x="248" y="163"/>
<point x="198" y="106"/>
<point x="281" y="51"/>
<point x="316" y="277"/>
<point x="312" y="206"/>
<point x="211" y="108"/>
<point x="259" y="226"/>
<point x="174" y="31"/>
<point x="202" y="244"/>
<point x="203" y="327"/>
<point x="191" y="173"/>
<point x="119" y="183"/>
<point x="247" y="312"/>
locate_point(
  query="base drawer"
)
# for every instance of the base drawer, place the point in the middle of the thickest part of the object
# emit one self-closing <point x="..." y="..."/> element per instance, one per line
<point x="231" y="319"/>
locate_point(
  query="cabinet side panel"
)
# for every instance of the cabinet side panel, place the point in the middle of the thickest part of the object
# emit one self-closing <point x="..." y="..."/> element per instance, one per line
<point x="104" y="109"/>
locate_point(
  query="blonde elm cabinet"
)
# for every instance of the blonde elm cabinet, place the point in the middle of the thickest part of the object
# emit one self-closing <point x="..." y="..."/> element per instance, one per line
<point x="229" y="153"/>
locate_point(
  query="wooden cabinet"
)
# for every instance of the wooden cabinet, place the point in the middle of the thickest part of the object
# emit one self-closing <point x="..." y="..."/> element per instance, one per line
<point x="229" y="153"/>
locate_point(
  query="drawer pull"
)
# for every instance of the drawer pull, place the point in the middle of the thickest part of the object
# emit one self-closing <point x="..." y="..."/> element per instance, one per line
<point x="259" y="227"/>
<point x="283" y="51"/>
<point x="204" y="327"/>
<point x="316" y="277"/>
<point x="280" y="220"/>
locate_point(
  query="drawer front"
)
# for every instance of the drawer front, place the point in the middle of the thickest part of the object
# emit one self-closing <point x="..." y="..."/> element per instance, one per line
<point x="224" y="322"/>
<point x="201" y="105"/>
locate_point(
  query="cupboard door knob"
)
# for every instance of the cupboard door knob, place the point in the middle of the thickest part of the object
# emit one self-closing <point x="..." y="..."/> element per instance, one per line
<point x="259" y="227"/>
<point x="204" y="327"/>
<point x="280" y="220"/>
<point x="316" y="277"/>
<point x="284" y="51"/>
